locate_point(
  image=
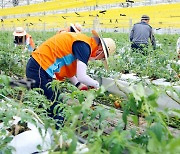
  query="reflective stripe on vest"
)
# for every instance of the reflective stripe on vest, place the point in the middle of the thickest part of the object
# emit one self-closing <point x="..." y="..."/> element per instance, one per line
<point x="59" y="63"/>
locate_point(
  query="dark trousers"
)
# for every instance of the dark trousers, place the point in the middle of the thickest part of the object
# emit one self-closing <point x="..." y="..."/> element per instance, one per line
<point x="35" y="72"/>
<point x="139" y="48"/>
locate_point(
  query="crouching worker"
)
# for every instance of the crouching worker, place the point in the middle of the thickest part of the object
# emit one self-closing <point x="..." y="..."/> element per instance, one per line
<point x="66" y="55"/>
<point x="140" y="34"/>
<point x="23" y="38"/>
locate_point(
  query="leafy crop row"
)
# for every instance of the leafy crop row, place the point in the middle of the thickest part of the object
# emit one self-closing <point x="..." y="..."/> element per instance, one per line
<point x="85" y="116"/>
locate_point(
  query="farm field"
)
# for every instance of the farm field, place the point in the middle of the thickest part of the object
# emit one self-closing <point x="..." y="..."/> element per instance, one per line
<point x="97" y="120"/>
<point x="159" y="63"/>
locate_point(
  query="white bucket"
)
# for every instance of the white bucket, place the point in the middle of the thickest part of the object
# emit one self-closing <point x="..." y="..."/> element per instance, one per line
<point x="28" y="141"/>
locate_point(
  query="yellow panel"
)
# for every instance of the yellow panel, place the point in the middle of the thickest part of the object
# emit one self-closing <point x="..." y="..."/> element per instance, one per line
<point x="54" y="5"/>
<point x="162" y="16"/>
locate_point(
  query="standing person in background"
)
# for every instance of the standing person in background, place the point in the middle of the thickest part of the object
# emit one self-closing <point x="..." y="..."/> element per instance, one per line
<point x="140" y="35"/>
<point x="66" y="55"/>
<point x="77" y="28"/>
<point x="23" y="38"/>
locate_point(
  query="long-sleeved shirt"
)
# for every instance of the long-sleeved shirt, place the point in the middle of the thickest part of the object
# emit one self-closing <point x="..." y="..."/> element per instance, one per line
<point x="141" y="33"/>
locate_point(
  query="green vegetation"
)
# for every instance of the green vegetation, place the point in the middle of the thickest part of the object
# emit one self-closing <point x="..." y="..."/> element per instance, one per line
<point x="155" y="64"/>
<point x="79" y="111"/>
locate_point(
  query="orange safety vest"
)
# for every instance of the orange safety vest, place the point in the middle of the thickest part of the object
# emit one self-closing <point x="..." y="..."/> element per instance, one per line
<point x="31" y="42"/>
<point x="55" y="55"/>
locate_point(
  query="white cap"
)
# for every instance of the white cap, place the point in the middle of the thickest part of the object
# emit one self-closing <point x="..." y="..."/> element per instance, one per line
<point x="19" y="31"/>
<point x="77" y="27"/>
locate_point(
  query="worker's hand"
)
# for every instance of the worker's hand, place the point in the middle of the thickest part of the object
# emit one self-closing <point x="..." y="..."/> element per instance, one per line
<point x="81" y="86"/>
<point x="91" y="87"/>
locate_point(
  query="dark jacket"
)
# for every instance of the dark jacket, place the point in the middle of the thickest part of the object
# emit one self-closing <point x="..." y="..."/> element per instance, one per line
<point x="140" y="34"/>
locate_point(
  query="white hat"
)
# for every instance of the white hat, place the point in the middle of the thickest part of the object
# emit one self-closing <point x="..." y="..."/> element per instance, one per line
<point x="77" y="27"/>
<point x="108" y="45"/>
<point x="19" y="31"/>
